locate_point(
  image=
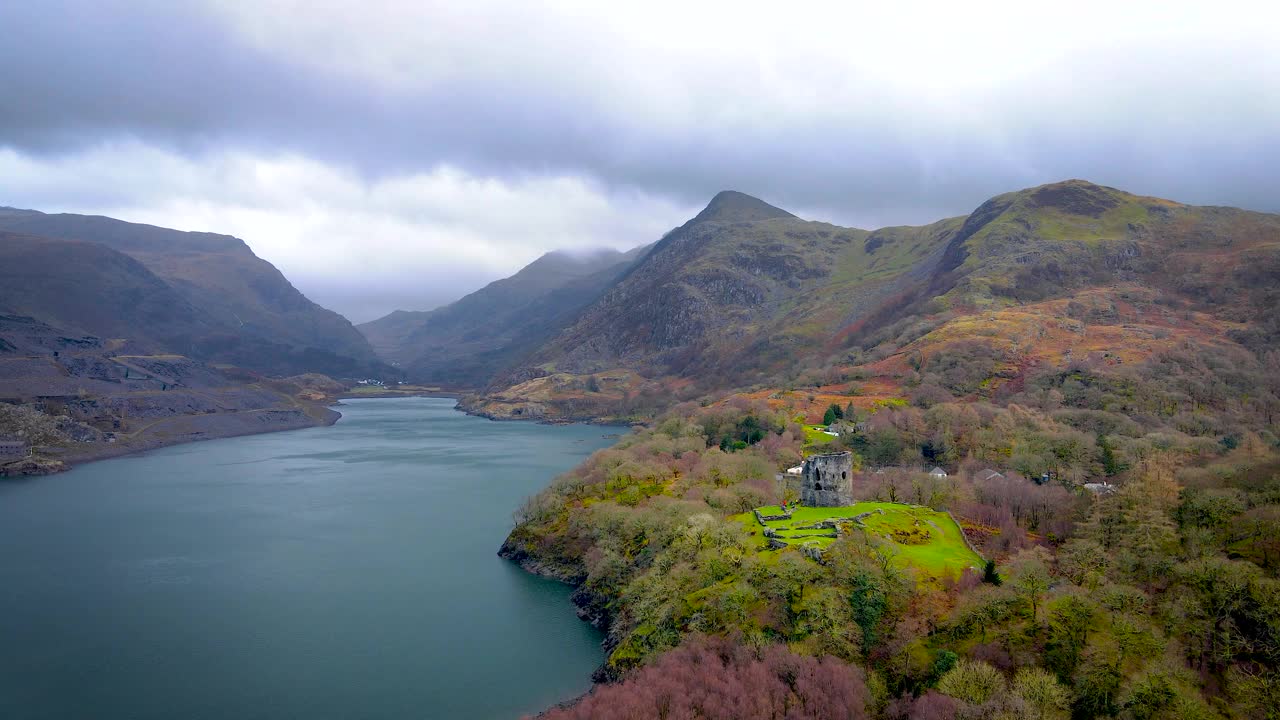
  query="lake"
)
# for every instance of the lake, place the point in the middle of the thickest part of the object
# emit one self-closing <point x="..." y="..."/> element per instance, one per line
<point x="341" y="572"/>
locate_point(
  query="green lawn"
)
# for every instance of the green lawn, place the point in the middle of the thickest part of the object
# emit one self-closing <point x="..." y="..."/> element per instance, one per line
<point x="815" y="438"/>
<point x="937" y="548"/>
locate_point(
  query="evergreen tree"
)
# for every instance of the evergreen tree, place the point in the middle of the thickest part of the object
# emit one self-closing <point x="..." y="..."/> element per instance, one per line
<point x="989" y="574"/>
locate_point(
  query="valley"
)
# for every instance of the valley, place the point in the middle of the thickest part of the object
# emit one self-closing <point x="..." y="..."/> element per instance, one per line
<point x="1091" y="374"/>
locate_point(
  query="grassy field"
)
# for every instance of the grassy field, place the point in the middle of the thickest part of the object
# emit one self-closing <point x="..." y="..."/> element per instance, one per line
<point x="815" y="439"/>
<point x="923" y="538"/>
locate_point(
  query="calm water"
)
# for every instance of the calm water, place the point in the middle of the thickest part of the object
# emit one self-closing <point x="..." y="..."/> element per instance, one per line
<point x="343" y="572"/>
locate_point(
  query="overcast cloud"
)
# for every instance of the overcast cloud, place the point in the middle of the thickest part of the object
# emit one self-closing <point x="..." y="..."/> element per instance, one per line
<point x="397" y="155"/>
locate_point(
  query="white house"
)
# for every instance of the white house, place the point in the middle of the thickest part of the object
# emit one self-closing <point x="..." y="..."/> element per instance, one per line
<point x="938" y="472"/>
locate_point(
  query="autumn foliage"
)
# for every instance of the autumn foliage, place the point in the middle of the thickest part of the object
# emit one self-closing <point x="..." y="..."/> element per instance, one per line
<point x="717" y="679"/>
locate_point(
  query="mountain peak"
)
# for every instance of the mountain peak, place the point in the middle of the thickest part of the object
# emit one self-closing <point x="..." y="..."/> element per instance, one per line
<point x="1077" y="197"/>
<point x="733" y="206"/>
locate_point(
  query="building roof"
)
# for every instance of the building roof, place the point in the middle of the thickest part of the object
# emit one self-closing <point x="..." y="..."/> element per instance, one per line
<point x="937" y="471"/>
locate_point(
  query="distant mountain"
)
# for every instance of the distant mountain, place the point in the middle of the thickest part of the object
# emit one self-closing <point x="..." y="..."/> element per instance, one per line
<point x="745" y="294"/>
<point x="738" y="292"/>
<point x="466" y="343"/>
<point x="239" y="309"/>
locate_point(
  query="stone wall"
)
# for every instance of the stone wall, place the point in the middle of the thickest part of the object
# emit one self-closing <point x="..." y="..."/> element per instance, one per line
<point x="965" y="537"/>
<point x="827" y="480"/>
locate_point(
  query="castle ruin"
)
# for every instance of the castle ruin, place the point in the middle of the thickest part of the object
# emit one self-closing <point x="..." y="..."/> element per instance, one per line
<point x="827" y="480"/>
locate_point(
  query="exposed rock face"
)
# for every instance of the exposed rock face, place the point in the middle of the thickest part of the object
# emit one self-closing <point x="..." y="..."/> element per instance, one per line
<point x="827" y="480"/>
<point x="78" y="398"/>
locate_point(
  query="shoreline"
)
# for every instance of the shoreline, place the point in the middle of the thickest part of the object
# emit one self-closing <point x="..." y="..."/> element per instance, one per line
<point x="73" y="457"/>
<point x="384" y="394"/>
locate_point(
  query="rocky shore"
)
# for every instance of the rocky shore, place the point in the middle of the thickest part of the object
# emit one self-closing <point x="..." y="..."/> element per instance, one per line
<point x="74" y="399"/>
<point x="170" y="431"/>
<point x="591" y="607"/>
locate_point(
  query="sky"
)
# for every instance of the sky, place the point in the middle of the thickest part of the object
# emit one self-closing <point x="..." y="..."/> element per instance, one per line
<point x="388" y="154"/>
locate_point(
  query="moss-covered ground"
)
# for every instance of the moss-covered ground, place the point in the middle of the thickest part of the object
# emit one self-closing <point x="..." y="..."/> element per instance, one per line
<point x="920" y="537"/>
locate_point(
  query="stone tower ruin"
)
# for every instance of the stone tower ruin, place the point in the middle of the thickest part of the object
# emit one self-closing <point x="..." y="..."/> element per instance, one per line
<point x="827" y="481"/>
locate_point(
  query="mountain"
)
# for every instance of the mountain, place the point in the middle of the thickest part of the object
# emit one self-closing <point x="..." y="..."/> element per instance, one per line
<point x="746" y="294"/>
<point x="241" y="309"/>
<point x="466" y="343"/>
<point x="735" y="291"/>
<point x="1085" y="380"/>
<point x="76" y="396"/>
<point x="91" y="289"/>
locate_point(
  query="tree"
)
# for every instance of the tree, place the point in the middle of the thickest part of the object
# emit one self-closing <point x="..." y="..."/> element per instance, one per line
<point x="1150" y="696"/>
<point x="715" y="679"/>
<point x="1045" y="697"/>
<point x="1111" y="464"/>
<point x="1069" y="619"/>
<point x="1257" y="694"/>
<point x="972" y="681"/>
<point x="833" y="413"/>
<point x="1031" y="581"/>
<point x="981" y="609"/>
<point x="1084" y="562"/>
<point x="869" y="602"/>
<point x="1096" y="684"/>
<point x="1221" y="593"/>
<point x="989" y="574"/>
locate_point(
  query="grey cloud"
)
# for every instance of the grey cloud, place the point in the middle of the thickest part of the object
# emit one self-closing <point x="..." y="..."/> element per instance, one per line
<point x="181" y="76"/>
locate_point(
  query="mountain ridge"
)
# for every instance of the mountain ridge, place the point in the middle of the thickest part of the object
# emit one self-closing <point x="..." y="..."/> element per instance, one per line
<point x="253" y="316"/>
<point x="721" y="305"/>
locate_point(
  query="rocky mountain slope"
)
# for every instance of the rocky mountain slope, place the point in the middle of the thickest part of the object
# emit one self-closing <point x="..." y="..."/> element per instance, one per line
<point x="240" y="309"/>
<point x="748" y="295"/>
<point x="90" y="288"/>
<point x="466" y="343"/>
<point x="73" y="397"/>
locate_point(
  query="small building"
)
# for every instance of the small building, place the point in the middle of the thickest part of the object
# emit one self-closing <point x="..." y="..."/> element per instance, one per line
<point x="989" y="474"/>
<point x="938" y="472"/>
<point x="826" y="480"/>
<point x="12" y="449"/>
<point x="796" y="471"/>
<point x="1102" y="488"/>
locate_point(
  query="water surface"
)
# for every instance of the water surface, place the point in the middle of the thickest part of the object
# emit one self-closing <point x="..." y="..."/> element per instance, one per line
<point x="342" y="572"/>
